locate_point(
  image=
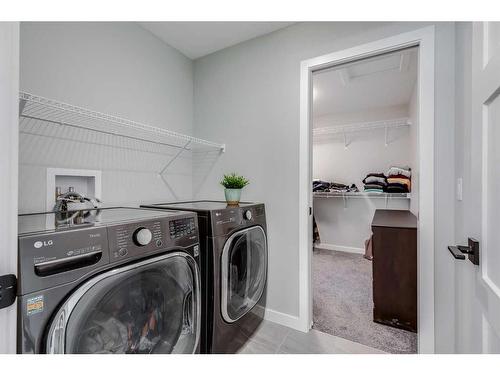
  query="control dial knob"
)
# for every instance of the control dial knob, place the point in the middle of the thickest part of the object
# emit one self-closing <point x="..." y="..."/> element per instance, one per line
<point x="248" y="215"/>
<point x="142" y="236"/>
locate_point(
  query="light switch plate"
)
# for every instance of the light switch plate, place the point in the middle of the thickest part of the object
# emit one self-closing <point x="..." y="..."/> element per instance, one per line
<point x="460" y="189"/>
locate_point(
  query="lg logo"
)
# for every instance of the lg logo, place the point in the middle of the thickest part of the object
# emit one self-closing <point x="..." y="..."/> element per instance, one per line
<point x="39" y="244"/>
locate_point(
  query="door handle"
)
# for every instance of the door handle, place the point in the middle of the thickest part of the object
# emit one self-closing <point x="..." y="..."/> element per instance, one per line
<point x="472" y="251"/>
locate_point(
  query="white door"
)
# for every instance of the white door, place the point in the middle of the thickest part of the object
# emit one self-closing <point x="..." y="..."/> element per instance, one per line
<point x="484" y="207"/>
<point x="9" y="91"/>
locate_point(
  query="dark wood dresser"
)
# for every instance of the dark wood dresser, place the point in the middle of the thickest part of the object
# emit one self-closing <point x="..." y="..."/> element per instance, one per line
<point x="395" y="268"/>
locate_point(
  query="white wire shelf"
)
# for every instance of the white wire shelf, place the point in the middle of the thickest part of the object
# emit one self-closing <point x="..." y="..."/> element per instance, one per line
<point x="360" y="194"/>
<point x="345" y="129"/>
<point x="346" y="196"/>
<point x="57" y="134"/>
<point x="59" y="114"/>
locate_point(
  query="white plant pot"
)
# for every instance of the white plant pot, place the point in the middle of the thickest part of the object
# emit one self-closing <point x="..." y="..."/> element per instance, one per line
<point x="232" y="196"/>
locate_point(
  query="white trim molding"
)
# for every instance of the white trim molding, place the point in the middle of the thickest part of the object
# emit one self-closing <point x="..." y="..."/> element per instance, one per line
<point x="287" y="320"/>
<point x="9" y="149"/>
<point x="344" y="249"/>
<point x="424" y="39"/>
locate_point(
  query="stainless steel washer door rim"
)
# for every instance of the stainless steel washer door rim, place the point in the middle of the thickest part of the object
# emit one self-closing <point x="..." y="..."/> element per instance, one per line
<point x="56" y="338"/>
<point x="225" y="263"/>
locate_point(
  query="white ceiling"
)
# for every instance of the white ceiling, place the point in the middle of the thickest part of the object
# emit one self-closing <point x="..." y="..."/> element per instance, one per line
<point x="378" y="82"/>
<point x="198" y="39"/>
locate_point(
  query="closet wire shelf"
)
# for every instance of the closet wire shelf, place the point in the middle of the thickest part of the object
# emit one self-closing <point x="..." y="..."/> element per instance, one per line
<point x="361" y="195"/>
<point x="48" y="124"/>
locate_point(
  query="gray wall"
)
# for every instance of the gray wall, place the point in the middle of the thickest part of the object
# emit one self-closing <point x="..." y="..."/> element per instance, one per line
<point x="469" y="314"/>
<point x="248" y="95"/>
<point x="116" y="68"/>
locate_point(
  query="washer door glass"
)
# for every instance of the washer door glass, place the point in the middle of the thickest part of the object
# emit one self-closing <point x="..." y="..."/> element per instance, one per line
<point x="244" y="271"/>
<point x="152" y="307"/>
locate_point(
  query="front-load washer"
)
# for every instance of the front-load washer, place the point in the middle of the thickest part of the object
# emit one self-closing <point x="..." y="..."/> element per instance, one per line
<point x="234" y="257"/>
<point x="117" y="280"/>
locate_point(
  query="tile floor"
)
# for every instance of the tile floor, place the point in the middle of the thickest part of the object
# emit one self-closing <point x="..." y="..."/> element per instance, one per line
<point x="272" y="338"/>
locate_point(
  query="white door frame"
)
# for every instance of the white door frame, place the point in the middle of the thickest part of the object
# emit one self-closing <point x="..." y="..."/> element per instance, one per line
<point x="424" y="38"/>
<point x="9" y="130"/>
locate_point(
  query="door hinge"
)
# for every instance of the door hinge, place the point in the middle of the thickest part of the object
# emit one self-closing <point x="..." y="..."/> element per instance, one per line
<point x="472" y="251"/>
<point x="8" y="288"/>
<point x="310" y="211"/>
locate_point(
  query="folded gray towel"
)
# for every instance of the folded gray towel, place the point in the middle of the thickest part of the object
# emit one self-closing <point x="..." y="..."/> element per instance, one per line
<point x="394" y="170"/>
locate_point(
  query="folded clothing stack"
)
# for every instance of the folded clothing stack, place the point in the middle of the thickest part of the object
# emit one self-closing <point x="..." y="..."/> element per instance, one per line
<point x="333" y="187"/>
<point x="375" y="183"/>
<point x="341" y="188"/>
<point x="398" y="180"/>
<point x="319" y="185"/>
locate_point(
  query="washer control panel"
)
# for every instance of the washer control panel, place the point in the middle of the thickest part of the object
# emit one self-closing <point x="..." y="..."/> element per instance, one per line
<point x="226" y="220"/>
<point x="133" y="239"/>
<point x="138" y="239"/>
<point x="182" y="227"/>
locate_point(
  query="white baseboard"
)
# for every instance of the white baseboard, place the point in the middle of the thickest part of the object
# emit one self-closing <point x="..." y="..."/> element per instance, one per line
<point x="345" y="249"/>
<point x="287" y="320"/>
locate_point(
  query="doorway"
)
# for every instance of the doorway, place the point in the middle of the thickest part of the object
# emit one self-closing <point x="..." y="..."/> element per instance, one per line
<point x="424" y="40"/>
<point x="364" y="156"/>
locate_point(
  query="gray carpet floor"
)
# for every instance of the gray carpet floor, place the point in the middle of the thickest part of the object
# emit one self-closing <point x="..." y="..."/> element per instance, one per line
<point x="343" y="303"/>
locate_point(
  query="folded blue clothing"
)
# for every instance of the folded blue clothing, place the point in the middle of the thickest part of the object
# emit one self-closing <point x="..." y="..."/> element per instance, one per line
<point x="371" y="190"/>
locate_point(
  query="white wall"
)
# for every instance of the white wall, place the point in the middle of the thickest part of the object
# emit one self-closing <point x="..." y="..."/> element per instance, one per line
<point x="9" y="86"/>
<point x="117" y="68"/>
<point x="350" y="226"/>
<point x="248" y="96"/>
<point x="366" y="153"/>
<point x="346" y="226"/>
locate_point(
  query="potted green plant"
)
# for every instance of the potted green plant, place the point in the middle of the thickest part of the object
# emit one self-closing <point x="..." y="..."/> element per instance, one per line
<point x="233" y="184"/>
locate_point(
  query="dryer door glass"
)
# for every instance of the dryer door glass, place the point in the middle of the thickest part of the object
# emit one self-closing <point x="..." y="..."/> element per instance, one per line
<point x="244" y="271"/>
<point x="152" y="307"/>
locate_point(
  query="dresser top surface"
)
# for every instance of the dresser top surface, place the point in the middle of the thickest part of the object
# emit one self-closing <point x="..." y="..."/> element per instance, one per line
<point x="394" y="219"/>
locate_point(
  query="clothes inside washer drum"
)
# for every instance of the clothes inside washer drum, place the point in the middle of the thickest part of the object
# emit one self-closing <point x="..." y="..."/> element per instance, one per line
<point x="144" y="314"/>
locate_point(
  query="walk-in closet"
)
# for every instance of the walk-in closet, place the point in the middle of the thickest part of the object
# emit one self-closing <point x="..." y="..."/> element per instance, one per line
<point x="365" y="200"/>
